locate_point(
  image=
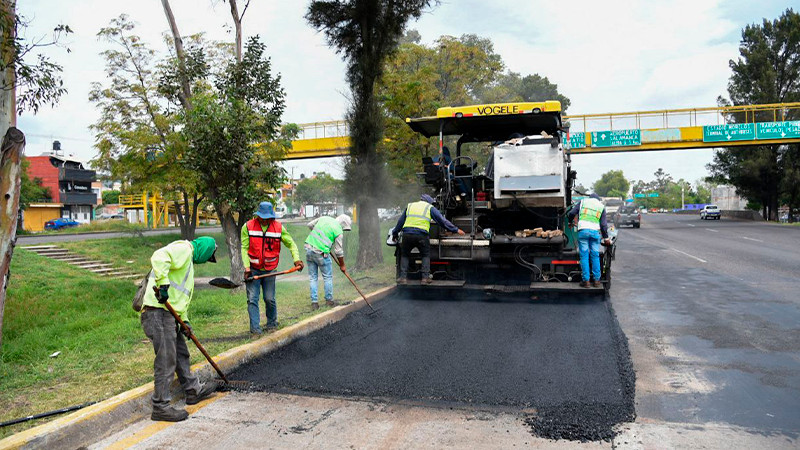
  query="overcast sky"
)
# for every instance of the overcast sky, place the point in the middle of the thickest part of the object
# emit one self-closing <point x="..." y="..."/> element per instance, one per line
<point x="610" y="56"/>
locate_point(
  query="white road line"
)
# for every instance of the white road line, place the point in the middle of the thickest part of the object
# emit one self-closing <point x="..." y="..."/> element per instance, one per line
<point x="751" y="239"/>
<point x="713" y="231"/>
<point x="690" y="225"/>
<point x="690" y="256"/>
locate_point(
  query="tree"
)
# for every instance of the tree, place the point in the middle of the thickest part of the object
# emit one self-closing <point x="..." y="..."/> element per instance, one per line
<point x="322" y="188"/>
<point x="24" y="86"/>
<point x="111" y="197"/>
<point x="138" y="134"/>
<point x="31" y="189"/>
<point x="511" y="87"/>
<point x="365" y="33"/>
<point x="766" y="72"/>
<point x="612" y="184"/>
<point x="223" y="125"/>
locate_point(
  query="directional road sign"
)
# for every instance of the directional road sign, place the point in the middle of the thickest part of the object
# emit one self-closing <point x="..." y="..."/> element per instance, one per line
<point x="638" y="195"/>
<point x="653" y="194"/>
<point x="576" y="140"/>
<point x="729" y="132"/>
<point x="616" y="138"/>
<point x="778" y="130"/>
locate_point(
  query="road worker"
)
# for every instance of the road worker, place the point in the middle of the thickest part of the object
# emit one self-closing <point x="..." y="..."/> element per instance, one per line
<point x="261" y="250"/>
<point x="173" y="279"/>
<point x="590" y="214"/>
<point x="415" y="224"/>
<point x="325" y="238"/>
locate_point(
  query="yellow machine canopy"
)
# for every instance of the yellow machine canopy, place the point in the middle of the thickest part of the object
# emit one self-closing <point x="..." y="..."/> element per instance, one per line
<point x="491" y="122"/>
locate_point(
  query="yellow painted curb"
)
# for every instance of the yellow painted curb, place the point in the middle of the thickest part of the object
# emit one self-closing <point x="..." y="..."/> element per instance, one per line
<point x="94" y="422"/>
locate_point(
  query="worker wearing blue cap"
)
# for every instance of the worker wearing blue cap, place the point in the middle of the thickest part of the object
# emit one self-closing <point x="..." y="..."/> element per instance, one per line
<point x="261" y="250"/>
<point x="415" y="223"/>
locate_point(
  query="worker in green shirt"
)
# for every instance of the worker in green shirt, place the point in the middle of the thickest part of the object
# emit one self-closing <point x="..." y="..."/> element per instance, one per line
<point x="261" y="250"/>
<point x="173" y="277"/>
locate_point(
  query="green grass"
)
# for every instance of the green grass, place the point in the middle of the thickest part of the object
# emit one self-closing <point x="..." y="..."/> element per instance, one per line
<point x="52" y="306"/>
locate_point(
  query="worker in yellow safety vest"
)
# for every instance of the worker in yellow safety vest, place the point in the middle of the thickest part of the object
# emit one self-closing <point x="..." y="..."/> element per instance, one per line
<point x="590" y="214"/>
<point x="324" y="240"/>
<point x="173" y="277"/>
<point x="415" y="224"/>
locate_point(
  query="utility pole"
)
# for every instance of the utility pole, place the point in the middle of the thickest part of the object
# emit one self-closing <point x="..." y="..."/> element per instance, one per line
<point x="683" y="205"/>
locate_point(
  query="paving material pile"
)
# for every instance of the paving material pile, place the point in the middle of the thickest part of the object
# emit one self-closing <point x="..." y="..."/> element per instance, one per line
<point x="567" y="360"/>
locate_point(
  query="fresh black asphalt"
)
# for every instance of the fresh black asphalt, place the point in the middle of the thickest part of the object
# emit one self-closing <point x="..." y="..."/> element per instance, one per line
<point x="566" y="359"/>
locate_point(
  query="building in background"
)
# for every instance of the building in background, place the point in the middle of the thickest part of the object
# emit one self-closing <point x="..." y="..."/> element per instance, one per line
<point x="726" y="198"/>
<point x="70" y="184"/>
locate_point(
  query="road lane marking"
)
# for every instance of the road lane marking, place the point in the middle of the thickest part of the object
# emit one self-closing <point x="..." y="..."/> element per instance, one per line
<point x="751" y="239"/>
<point x="690" y="256"/>
<point x="691" y="225"/>
<point x="713" y="231"/>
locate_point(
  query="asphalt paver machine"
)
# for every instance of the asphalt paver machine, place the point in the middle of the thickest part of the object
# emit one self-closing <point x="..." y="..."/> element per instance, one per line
<point x="511" y="197"/>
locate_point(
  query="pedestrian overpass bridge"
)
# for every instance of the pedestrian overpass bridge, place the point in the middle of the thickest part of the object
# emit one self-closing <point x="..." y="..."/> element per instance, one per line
<point x="637" y="131"/>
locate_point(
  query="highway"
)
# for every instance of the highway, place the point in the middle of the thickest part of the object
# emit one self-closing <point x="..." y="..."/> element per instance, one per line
<point x="712" y="319"/>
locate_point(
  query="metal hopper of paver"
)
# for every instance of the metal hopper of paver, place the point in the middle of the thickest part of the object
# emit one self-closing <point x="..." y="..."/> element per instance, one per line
<point x="512" y="203"/>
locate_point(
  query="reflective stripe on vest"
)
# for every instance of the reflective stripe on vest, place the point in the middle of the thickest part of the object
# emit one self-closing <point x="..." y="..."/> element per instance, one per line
<point x="591" y="210"/>
<point x="265" y="245"/>
<point x="418" y="215"/>
<point x="324" y="234"/>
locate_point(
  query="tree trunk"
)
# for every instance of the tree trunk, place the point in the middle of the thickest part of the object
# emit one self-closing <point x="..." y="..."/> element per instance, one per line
<point x="10" y="170"/>
<point x="369" y="239"/>
<point x="186" y="212"/>
<point x="237" y="26"/>
<point x="233" y="242"/>
<point x="186" y="92"/>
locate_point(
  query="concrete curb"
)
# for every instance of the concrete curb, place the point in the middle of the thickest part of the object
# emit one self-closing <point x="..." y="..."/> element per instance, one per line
<point x="95" y="422"/>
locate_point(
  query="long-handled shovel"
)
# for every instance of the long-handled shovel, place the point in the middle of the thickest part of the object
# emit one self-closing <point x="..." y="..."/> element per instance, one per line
<point x="354" y="284"/>
<point x="188" y="332"/>
<point x="224" y="283"/>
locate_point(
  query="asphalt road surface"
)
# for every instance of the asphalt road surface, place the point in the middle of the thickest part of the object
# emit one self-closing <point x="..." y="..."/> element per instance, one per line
<point x="710" y="310"/>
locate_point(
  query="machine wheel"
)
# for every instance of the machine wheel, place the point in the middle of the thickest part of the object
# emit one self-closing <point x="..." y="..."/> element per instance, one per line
<point x="636" y="225"/>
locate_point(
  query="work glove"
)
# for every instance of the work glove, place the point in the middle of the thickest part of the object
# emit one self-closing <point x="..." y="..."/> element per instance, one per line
<point x="162" y="293"/>
<point x="247" y="274"/>
<point x="299" y="265"/>
<point x="186" y="331"/>
<point x="461" y="232"/>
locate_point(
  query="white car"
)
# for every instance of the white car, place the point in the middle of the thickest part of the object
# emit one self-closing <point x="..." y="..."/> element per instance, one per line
<point x="710" y="212"/>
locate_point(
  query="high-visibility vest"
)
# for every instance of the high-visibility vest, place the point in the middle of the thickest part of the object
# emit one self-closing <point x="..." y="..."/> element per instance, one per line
<point x="265" y="245"/>
<point x="326" y="230"/>
<point x="172" y="264"/>
<point x="418" y="215"/>
<point x="591" y="210"/>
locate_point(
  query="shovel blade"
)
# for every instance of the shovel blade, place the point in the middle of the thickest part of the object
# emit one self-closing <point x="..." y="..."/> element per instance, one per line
<point x="223" y="283"/>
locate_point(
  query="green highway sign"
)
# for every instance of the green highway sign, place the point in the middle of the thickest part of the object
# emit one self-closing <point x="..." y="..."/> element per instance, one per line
<point x="729" y="132"/>
<point x="577" y="140"/>
<point x="616" y="138"/>
<point x="629" y="200"/>
<point x="778" y="130"/>
<point x="653" y="194"/>
<point x="638" y="195"/>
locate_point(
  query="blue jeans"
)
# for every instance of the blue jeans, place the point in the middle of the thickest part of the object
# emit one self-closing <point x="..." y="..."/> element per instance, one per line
<point x="589" y="246"/>
<point x="322" y="262"/>
<point x="267" y="286"/>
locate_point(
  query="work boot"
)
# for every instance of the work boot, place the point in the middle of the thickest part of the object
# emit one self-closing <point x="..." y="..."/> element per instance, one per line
<point x="272" y="327"/>
<point x="427" y="280"/>
<point x="402" y="280"/>
<point x="584" y="284"/>
<point x="207" y="390"/>
<point x="314" y="306"/>
<point x="169" y="414"/>
<point x="331" y="303"/>
<point x="597" y="284"/>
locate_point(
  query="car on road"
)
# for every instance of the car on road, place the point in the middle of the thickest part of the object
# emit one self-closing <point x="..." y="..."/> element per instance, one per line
<point x="628" y="215"/>
<point x="710" y="212"/>
<point x="61" y="223"/>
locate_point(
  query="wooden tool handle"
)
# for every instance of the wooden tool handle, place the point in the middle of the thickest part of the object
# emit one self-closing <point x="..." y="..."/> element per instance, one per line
<point x="194" y="339"/>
